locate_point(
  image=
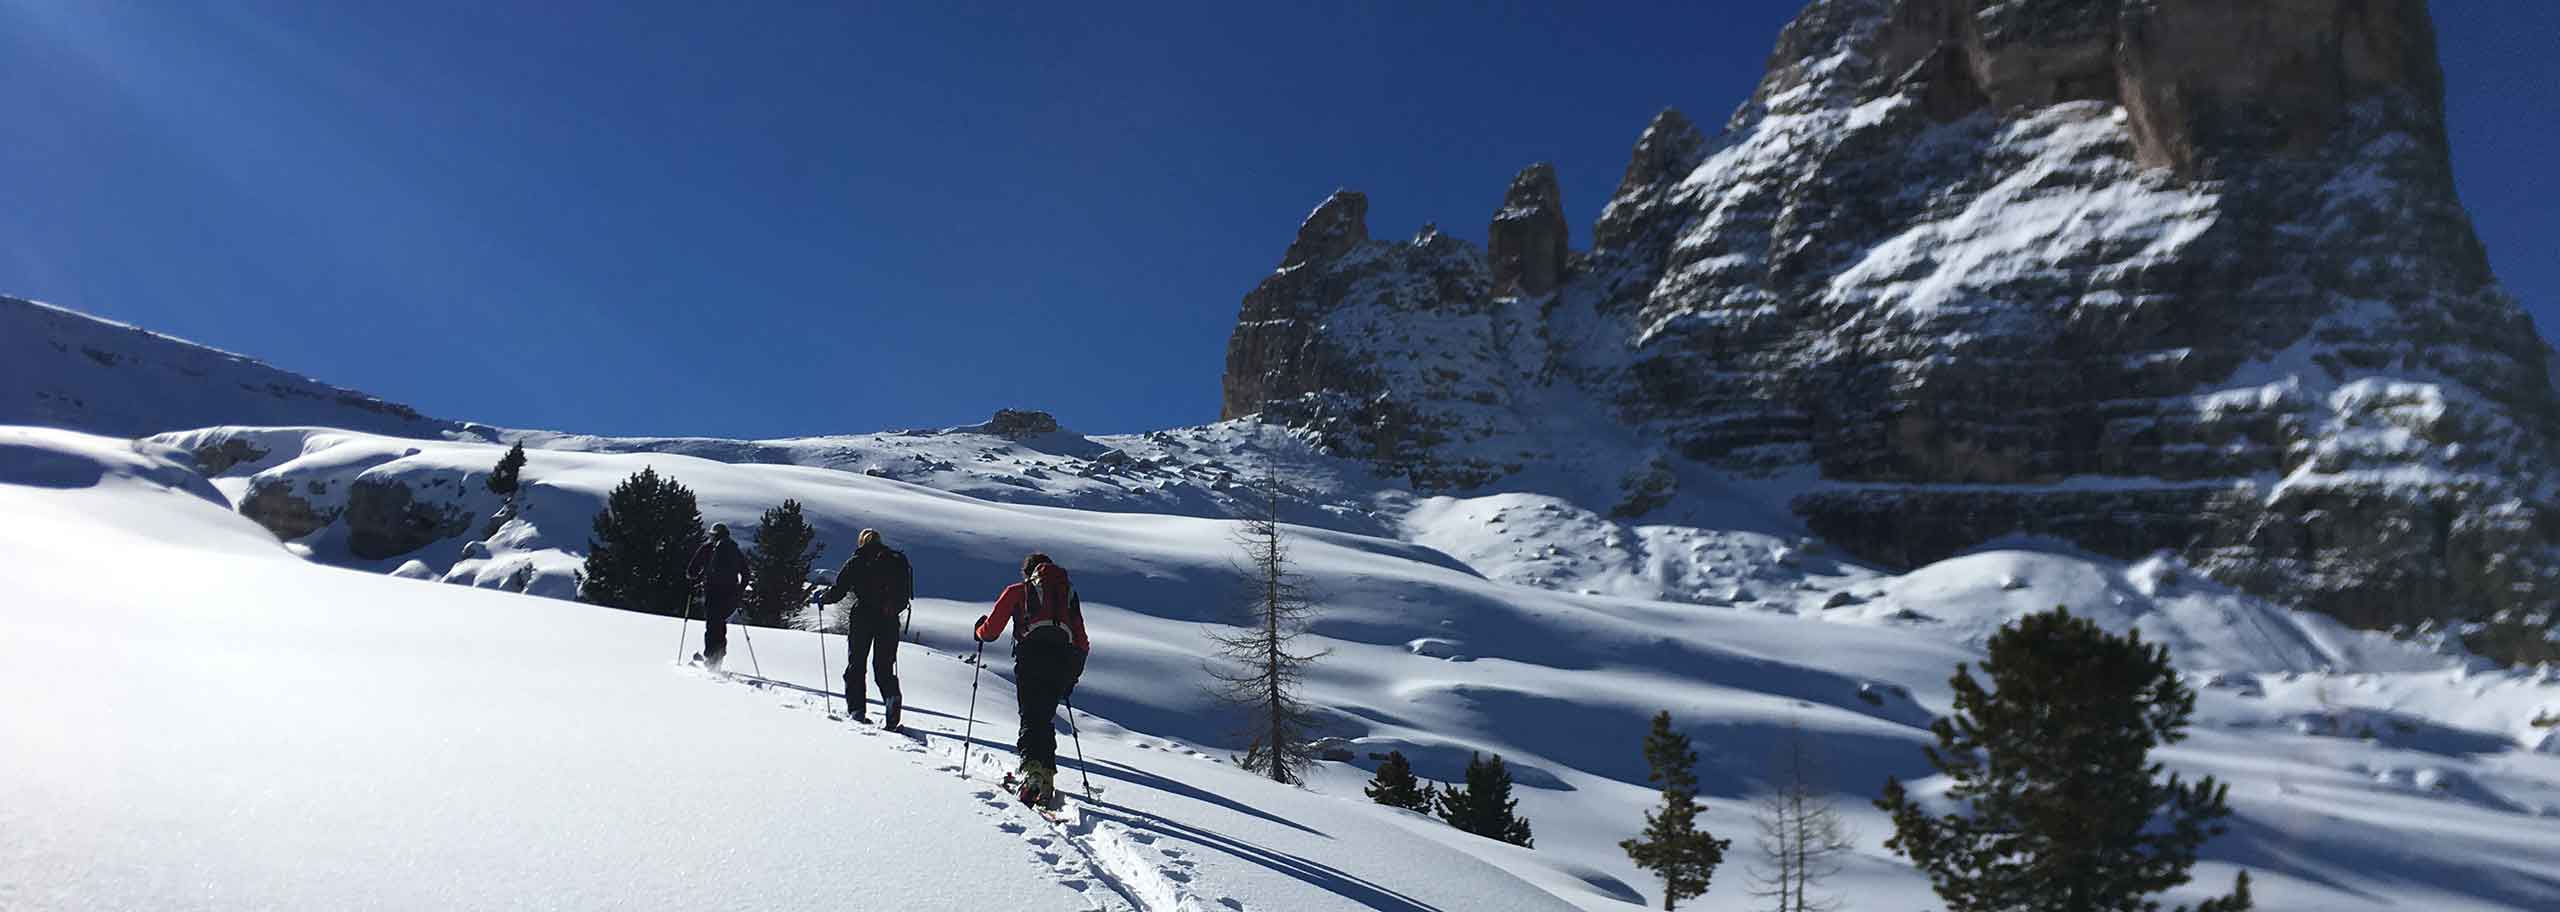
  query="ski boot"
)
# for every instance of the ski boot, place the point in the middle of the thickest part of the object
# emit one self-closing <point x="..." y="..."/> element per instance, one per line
<point x="891" y="722"/>
<point x="1036" y="784"/>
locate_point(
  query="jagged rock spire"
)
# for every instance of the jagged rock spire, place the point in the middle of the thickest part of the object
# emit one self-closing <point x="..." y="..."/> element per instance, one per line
<point x="1339" y="223"/>
<point x="1527" y="243"/>
<point x="1666" y="152"/>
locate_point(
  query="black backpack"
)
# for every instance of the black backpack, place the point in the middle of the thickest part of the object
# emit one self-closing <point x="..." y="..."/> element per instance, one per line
<point x="727" y="567"/>
<point x="884" y="584"/>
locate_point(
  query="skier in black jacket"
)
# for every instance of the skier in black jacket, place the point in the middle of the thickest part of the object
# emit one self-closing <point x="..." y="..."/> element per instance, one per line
<point x="882" y="584"/>
<point x="720" y="570"/>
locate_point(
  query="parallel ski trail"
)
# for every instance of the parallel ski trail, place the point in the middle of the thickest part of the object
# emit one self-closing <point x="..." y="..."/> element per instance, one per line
<point x="1081" y="852"/>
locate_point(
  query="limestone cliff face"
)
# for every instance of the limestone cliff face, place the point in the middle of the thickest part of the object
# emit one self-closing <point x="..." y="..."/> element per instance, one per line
<point x="2182" y="274"/>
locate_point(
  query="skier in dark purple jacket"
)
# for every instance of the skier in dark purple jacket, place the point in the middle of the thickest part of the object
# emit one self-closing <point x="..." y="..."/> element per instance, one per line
<point x="720" y="570"/>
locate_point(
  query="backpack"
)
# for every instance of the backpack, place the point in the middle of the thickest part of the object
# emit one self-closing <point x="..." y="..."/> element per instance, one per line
<point x="886" y="583"/>
<point x="1049" y="597"/>
<point x="727" y="565"/>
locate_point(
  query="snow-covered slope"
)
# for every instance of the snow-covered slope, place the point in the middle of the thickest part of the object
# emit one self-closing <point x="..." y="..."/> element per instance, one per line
<point x="235" y="728"/>
<point x="2367" y="773"/>
<point x="62" y="368"/>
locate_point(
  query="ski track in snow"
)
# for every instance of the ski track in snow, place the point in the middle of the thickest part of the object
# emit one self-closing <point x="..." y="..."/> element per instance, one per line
<point x="1107" y="862"/>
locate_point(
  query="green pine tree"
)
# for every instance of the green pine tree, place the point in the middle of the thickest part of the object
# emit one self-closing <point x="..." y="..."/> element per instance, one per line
<point x="2058" y="805"/>
<point x="504" y="479"/>
<point x="2238" y="901"/>
<point x="1672" y="846"/>
<point x="645" y="534"/>
<point x="1485" y="807"/>
<point x="786" y="546"/>
<point x="1394" y="785"/>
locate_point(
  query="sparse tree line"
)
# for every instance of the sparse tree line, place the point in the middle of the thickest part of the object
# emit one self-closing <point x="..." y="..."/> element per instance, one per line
<point x="2053" y="803"/>
<point x="649" y="527"/>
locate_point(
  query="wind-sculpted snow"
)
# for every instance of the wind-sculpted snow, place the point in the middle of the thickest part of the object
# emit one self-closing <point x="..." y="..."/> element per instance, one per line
<point x="2341" y="745"/>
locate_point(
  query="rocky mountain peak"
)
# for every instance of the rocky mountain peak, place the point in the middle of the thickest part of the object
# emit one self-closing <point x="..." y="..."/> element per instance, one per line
<point x="1667" y="150"/>
<point x="1527" y="241"/>
<point x="1337" y="225"/>
<point x="2145" y="275"/>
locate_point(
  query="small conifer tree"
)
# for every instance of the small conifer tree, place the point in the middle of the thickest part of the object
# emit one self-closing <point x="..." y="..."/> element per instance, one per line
<point x="1394" y="785"/>
<point x="508" y="476"/>
<point x="1485" y="807"/>
<point x="1672" y="846"/>
<point x="785" y="547"/>
<point x="2058" y="805"/>
<point x="636" y="560"/>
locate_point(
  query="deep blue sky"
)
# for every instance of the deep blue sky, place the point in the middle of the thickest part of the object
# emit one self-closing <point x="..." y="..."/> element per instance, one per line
<point x="766" y="219"/>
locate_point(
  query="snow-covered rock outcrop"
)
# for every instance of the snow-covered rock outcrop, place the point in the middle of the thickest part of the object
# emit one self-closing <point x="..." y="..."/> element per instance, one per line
<point x="1961" y="269"/>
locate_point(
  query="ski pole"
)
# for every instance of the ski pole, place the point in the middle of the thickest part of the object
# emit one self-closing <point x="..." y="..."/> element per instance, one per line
<point x="683" y="626"/>
<point x="747" y="630"/>
<point x="977" y="662"/>
<point x="818" y="619"/>
<point x="1077" y="732"/>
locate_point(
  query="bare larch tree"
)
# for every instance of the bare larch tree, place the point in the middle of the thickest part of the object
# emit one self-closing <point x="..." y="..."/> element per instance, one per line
<point x="1262" y="672"/>
<point x="1801" y="834"/>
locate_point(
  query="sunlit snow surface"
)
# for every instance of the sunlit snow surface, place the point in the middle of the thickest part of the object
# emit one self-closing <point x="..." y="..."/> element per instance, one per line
<point x="202" y="719"/>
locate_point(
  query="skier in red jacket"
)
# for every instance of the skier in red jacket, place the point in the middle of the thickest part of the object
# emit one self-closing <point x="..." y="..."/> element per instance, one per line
<point x="1049" y="649"/>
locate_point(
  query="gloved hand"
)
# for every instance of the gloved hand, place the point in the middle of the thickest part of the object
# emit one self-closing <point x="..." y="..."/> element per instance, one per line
<point x="980" y="625"/>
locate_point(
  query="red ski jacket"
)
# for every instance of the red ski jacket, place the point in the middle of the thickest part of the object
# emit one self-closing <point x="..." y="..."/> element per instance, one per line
<point x="1063" y="607"/>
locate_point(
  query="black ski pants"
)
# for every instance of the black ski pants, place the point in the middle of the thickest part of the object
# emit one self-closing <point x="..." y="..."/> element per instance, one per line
<point x="871" y="633"/>
<point x="718" y="606"/>
<point x="1044" y="669"/>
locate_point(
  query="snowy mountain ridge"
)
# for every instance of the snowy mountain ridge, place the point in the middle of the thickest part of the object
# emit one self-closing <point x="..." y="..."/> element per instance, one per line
<point x="64" y="368"/>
